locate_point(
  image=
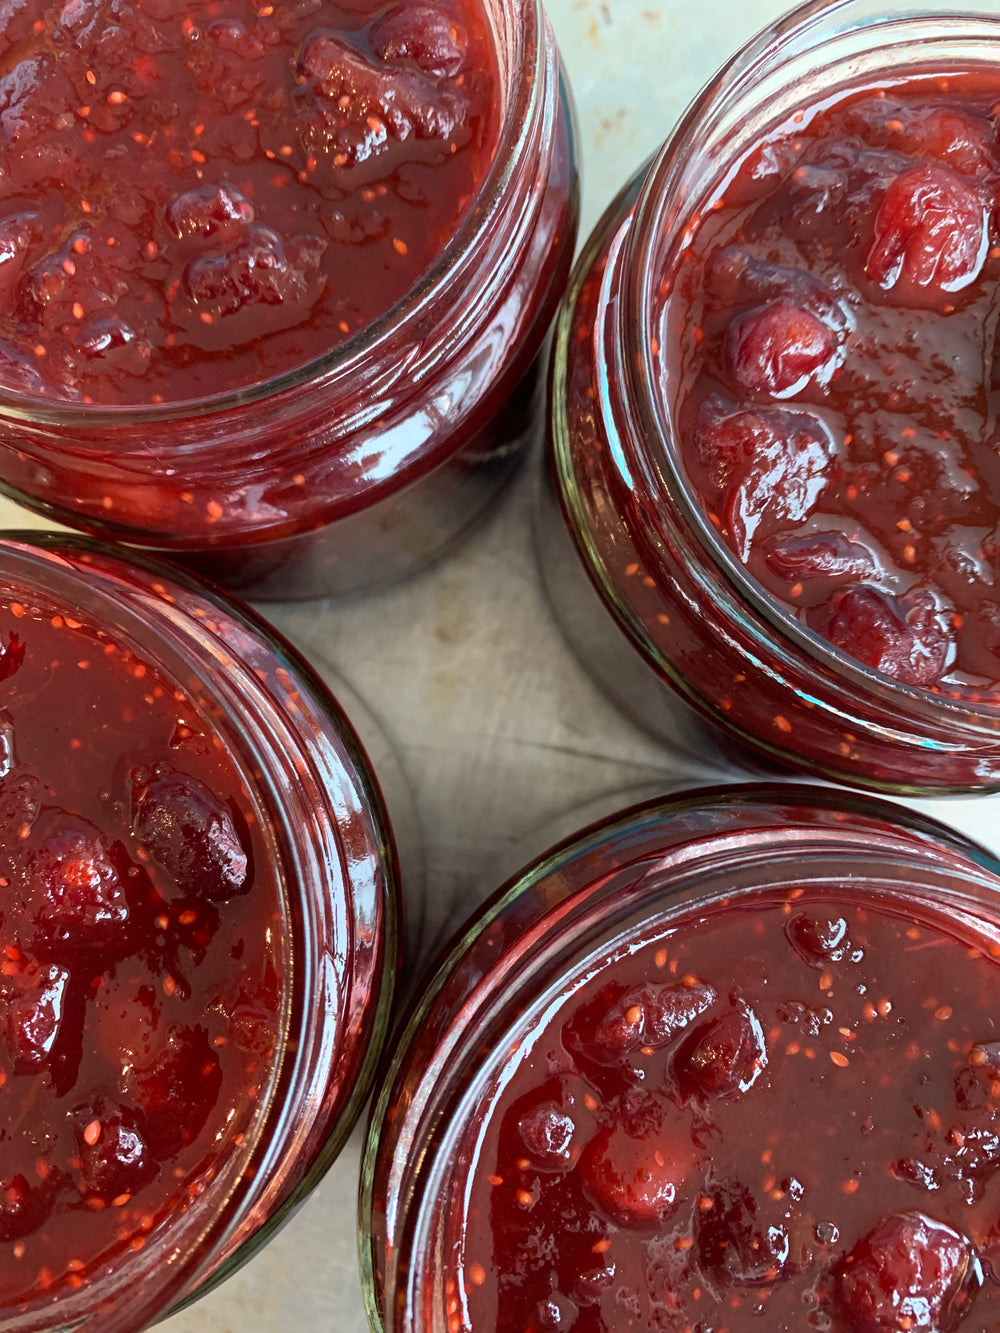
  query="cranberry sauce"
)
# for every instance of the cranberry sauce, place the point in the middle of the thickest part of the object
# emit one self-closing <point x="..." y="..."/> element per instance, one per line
<point x="832" y="338"/>
<point x="781" y="1114"/>
<point x="198" y="197"/>
<point x="139" y="986"/>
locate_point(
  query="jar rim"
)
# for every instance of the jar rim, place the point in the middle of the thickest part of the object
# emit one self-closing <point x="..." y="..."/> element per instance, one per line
<point x="527" y="25"/>
<point x="657" y="450"/>
<point x="213" y="1236"/>
<point x="461" y="1049"/>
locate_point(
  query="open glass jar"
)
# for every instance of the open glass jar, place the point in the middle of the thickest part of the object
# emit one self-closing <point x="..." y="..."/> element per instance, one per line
<point x="669" y="1073"/>
<point x="360" y="463"/>
<point x="633" y="426"/>
<point x="200" y="934"/>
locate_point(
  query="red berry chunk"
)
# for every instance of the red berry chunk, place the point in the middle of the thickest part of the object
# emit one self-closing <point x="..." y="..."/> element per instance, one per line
<point x="725" y="1056"/>
<point x="636" y="1181"/>
<point x="932" y="229"/>
<point x="115" y="1159"/>
<point x="901" y="637"/>
<point x="178" y="1089"/>
<point x="34" y="1001"/>
<point x="354" y="110"/>
<point x="910" y="1272"/>
<point x="192" y="837"/>
<point x="73" y="887"/>
<point x="735" y="1245"/>
<point x="820" y="940"/>
<point x="777" y="349"/>
<point x="218" y="213"/>
<point x="819" y="555"/>
<point x="771" y="465"/>
<point x="430" y="38"/>
<point x="25" y="1206"/>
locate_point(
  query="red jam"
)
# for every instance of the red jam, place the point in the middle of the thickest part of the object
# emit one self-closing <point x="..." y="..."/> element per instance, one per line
<point x="140" y="984"/>
<point x="831" y="336"/>
<point x="782" y="1113"/>
<point x="201" y="197"/>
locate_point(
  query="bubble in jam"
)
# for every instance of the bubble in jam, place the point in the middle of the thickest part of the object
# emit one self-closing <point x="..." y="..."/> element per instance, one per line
<point x="140" y="924"/>
<point x="832" y="350"/>
<point x="783" y="1113"/>
<point x="197" y="197"/>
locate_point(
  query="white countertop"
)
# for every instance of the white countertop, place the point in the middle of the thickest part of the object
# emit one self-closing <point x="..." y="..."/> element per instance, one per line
<point x="496" y="725"/>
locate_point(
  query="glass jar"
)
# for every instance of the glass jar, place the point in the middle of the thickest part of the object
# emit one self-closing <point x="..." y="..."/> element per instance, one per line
<point x="621" y="529"/>
<point x="366" y="462"/>
<point x="302" y="988"/>
<point x="567" y="936"/>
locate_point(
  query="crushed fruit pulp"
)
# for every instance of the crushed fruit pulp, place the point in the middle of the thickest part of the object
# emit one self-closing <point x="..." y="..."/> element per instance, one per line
<point x="140" y="990"/>
<point x="831" y="350"/>
<point x="199" y="197"/>
<point x="784" y="1111"/>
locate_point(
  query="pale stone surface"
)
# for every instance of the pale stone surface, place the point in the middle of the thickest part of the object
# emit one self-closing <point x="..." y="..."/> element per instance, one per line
<point x="496" y="725"/>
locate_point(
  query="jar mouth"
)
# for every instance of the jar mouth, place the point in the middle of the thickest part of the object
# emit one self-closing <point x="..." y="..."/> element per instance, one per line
<point x="523" y="29"/>
<point x="183" y="1251"/>
<point x="669" y="210"/>
<point x="664" y="862"/>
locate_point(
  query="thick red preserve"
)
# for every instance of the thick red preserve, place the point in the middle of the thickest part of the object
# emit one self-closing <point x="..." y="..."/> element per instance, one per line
<point x="726" y="1059"/>
<point x="171" y="1085"/>
<point x="232" y="240"/>
<point x="772" y="422"/>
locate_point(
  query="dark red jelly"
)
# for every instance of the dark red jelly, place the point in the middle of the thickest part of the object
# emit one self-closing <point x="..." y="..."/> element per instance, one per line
<point x="725" y="1062"/>
<point x="191" y="850"/>
<point x="278" y="276"/>
<point x="141" y="972"/>
<point x="198" y="197"/>
<point x="832" y="356"/>
<point x="772" y="413"/>
<point x="810" y="1138"/>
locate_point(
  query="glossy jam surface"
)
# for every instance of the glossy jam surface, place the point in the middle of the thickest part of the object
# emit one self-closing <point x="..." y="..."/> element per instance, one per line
<point x="199" y="197"/>
<point x="780" y="1114"/>
<point x="831" y="337"/>
<point x="140" y="987"/>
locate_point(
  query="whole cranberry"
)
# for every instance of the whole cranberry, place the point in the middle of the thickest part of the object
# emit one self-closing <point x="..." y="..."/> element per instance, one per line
<point x="725" y="1056"/>
<point x="909" y="1272"/>
<point x="188" y="832"/>
<point x="634" y="1180"/>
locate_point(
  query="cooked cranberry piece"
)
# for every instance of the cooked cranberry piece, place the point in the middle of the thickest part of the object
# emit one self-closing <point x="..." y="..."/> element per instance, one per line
<point x="73" y="888"/>
<point x="735" y="1245"/>
<point x="648" y="1015"/>
<point x="635" y="1181"/>
<point x="771" y="465"/>
<point x="24" y="1207"/>
<point x="911" y="1272"/>
<point x="557" y="1313"/>
<point x="19" y="234"/>
<point x="260" y="269"/>
<point x="177" y="1090"/>
<point x="116" y="345"/>
<point x="932" y="229"/>
<point x="547" y="1132"/>
<point x="354" y="110"/>
<point x="11" y="656"/>
<point x="192" y="836"/>
<point x="115" y="1157"/>
<point x="775" y="350"/>
<point x="820" y="940"/>
<point x="901" y="637"/>
<point x="219" y="213"/>
<point x="34" y="1001"/>
<point x="819" y="555"/>
<point x="724" y="1056"/>
<point x="431" y="38"/>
